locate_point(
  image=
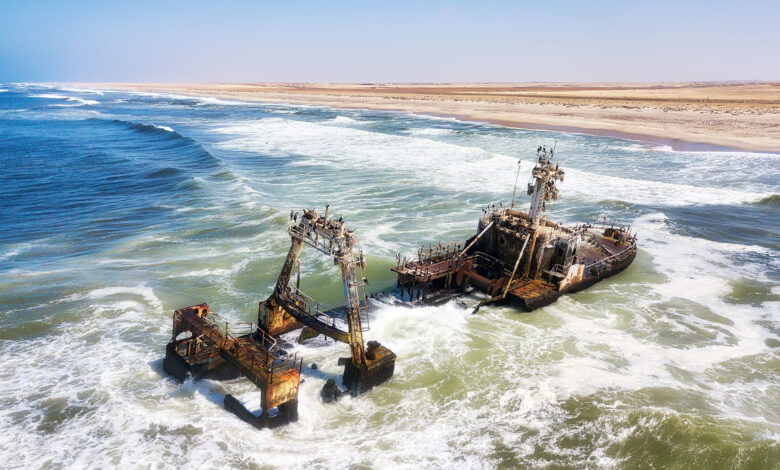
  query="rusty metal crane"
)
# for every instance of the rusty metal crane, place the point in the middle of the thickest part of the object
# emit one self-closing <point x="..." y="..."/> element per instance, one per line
<point x="288" y="308"/>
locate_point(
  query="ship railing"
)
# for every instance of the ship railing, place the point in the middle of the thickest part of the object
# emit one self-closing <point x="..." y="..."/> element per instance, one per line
<point x="433" y="269"/>
<point x="558" y="268"/>
<point x="434" y="252"/>
<point x="270" y="360"/>
<point x="485" y="259"/>
<point x="447" y="260"/>
<point x="308" y="305"/>
<point x="320" y="240"/>
<point x="284" y="364"/>
<point x="619" y="256"/>
<point x="190" y="346"/>
<point x="602" y="222"/>
<point x="247" y="356"/>
<point x="430" y="255"/>
<point x="233" y="330"/>
<point x="245" y="328"/>
<point x="563" y="268"/>
<point x="225" y="334"/>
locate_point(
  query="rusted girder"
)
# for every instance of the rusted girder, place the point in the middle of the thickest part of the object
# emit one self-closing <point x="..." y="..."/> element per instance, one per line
<point x="288" y="308"/>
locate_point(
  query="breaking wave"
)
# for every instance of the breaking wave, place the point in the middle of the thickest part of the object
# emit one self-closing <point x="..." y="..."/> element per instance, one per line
<point x="153" y="129"/>
<point x="77" y="101"/>
<point x="772" y="200"/>
<point x="346" y="120"/>
<point x="430" y="131"/>
<point x="197" y="155"/>
<point x="448" y="164"/>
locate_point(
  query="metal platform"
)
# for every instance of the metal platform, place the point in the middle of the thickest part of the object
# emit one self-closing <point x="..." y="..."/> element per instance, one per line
<point x="204" y="346"/>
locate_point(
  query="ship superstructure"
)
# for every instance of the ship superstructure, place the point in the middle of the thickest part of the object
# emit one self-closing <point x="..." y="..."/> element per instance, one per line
<point x="520" y="257"/>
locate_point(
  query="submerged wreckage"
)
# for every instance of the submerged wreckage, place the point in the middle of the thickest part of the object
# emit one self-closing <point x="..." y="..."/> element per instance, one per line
<point x="519" y="257"/>
<point x="204" y="346"/>
<point x="514" y="257"/>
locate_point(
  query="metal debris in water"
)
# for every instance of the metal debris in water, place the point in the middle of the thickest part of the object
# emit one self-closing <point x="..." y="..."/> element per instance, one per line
<point x="204" y="346"/>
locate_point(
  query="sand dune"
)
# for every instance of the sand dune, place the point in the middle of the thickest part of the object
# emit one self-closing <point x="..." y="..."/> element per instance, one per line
<point x="742" y="115"/>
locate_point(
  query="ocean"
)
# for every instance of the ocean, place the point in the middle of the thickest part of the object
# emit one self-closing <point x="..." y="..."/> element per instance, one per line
<point x="117" y="208"/>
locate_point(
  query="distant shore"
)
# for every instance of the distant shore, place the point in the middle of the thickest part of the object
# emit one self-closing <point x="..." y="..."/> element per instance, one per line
<point x="686" y="116"/>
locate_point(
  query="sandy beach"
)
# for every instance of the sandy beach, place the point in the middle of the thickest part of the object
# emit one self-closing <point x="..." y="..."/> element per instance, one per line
<point x="737" y="115"/>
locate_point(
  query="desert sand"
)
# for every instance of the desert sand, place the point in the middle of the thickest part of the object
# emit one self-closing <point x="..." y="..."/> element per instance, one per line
<point x="736" y="115"/>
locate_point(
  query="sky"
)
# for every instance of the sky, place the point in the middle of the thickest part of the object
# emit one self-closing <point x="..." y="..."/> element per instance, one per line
<point x="392" y="41"/>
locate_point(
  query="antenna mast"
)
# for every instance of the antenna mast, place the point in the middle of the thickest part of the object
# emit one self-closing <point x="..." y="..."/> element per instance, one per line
<point x="514" y="191"/>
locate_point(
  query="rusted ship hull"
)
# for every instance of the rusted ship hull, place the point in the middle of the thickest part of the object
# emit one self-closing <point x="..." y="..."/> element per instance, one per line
<point x="543" y="299"/>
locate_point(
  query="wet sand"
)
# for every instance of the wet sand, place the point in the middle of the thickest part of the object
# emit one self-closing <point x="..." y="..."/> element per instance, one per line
<point x="702" y="115"/>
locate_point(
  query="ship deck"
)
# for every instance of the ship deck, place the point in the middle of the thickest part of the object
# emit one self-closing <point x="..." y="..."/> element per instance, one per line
<point x="243" y="346"/>
<point x="431" y="275"/>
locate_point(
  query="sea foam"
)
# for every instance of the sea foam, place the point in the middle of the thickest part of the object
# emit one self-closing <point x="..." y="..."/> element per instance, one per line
<point x="448" y="165"/>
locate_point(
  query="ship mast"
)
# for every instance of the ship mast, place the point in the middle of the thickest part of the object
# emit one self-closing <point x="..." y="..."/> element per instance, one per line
<point x="517" y="177"/>
<point x="541" y="187"/>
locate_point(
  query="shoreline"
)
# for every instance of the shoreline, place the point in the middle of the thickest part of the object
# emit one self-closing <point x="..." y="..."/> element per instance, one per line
<point x="691" y="117"/>
<point x="676" y="144"/>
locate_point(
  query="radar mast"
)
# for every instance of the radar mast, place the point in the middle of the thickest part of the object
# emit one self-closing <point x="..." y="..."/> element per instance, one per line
<point x="541" y="187"/>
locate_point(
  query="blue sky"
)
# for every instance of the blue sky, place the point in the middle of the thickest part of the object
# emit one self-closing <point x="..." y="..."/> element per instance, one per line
<point x="396" y="41"/>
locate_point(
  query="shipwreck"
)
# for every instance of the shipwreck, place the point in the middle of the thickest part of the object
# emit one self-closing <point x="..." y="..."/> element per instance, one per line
<point x="519" y="258"/>
<point x="515" y="257"/>
<point x="205" y="346"/>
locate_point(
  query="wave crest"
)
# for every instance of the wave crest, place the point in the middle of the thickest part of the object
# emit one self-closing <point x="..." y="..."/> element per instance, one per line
<point x="71" y="99"/>
<point x="199" y="155"/>
<point x="772" y="200"/>
<point x="153" y="129"/>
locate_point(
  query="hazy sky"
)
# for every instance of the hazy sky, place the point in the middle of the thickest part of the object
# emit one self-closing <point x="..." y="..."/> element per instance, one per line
<point x="392" y="41"/>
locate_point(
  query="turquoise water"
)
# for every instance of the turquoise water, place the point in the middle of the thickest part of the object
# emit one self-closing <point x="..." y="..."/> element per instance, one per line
<point x="118" y="208"/>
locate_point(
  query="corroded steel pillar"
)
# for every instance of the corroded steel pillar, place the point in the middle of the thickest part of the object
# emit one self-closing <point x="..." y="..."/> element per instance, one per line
<point x="352" y="302"/>
<point x="271" y="317"/>
<point x="527" y="268"/>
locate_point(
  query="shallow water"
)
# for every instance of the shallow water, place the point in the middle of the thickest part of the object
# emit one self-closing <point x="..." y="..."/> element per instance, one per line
<point x="118" y="208"/>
